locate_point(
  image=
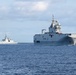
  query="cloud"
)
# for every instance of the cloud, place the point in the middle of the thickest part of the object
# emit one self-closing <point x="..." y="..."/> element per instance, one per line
<point x="4" y="8"/>
<point x="32" y="0"/>
<point x="27" y="10"/>
<point x="35" y="9"/>
<point x="4" y="11"/>
<point x="40" y="6"/>
<point x="30" y="7"/>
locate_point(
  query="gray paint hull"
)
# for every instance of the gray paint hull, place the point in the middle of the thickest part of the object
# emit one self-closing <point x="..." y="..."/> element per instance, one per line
<point x="63" y="41"/>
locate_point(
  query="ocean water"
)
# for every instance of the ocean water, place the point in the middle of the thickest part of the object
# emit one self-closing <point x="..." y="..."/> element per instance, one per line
<point x="30" y="59"/>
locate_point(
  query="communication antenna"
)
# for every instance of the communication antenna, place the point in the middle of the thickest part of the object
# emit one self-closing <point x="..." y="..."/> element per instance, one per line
<point x="52" y="18"/>
<point x="5" y="36"/>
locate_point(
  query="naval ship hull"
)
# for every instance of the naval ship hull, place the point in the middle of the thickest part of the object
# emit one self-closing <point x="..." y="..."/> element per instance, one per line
<point x="65" y="42"/>
<point x="64" y="39"/>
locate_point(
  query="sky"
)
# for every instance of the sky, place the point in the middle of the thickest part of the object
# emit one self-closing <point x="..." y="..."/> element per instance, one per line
<point x="22" y="19"/>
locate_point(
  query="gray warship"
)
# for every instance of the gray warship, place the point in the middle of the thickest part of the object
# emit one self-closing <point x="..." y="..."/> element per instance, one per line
<point x="54" y="36"/>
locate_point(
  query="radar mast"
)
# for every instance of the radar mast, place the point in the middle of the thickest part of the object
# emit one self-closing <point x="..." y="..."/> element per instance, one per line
<point x="52" y="18"/>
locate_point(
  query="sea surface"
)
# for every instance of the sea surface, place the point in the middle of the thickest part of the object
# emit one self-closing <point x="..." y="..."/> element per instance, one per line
<point x="31" y="59"/>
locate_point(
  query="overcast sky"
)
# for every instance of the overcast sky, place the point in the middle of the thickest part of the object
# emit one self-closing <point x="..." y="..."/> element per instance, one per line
<point x="21" y="19"/>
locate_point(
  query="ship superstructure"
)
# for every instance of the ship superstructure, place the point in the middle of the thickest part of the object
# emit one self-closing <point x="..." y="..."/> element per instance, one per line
<point x="54" y="36"/>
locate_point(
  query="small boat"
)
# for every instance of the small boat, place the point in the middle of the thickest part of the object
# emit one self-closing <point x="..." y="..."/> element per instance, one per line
<point x="7" y="40"/>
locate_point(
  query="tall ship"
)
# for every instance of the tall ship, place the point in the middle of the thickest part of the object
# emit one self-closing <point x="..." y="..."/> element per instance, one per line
<point x="7" y="40"/>
<point x="54" y="36"/>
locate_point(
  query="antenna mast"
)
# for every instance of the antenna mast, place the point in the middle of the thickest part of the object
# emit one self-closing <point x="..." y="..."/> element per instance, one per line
<point x="52" y="18"/>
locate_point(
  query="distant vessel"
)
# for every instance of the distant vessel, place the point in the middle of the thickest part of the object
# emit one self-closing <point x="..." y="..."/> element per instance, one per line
<point x="6" y="40"/>
<point x="54" y="36"/>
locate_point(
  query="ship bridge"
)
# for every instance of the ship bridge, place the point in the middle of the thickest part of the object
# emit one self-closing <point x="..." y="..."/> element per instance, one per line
<point x="55" y="27"/>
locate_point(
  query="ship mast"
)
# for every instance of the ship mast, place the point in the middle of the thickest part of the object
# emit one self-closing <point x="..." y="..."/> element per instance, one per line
<point x="52" y="24"/>
<point x="52" y="18"/>
<point x="5" y="36"/>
